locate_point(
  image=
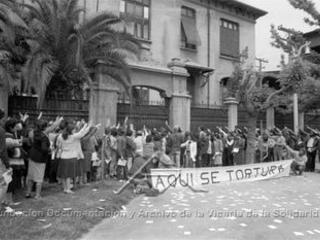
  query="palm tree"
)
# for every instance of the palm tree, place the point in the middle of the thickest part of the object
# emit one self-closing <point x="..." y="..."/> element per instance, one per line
<point x="63" y="52"/>
<point x="13" y="48"/>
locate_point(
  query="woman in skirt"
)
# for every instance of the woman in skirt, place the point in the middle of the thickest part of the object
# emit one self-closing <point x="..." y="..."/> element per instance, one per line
<point x="69" y="144"/>
<point x="38" y="157"/>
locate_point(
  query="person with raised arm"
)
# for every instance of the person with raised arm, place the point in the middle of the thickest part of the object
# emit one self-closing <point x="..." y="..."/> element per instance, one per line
<point x="228" y="140"/>
<point x="173" y="145"/>
<point x="16" y="156"/>
<point x="69" y="144"/>
<point x="190" y="153"/>
<point x="300" y="159"/>
<point x="88" y="143"/>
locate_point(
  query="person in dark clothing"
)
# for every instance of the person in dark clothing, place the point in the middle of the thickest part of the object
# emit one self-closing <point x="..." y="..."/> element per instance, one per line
<point x="4" y="161"/>
<point x="15" y="155"/>
<point x="312" y="146"/>
<point x="3" y="150"/>
<point x="122" y="169"/>
<point x="39" y="155"/>
<point x="203" y="145"/>
<point x="174" y="142"/>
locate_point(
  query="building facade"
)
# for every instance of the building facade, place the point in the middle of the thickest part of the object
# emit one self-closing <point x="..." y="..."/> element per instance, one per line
<point x="189" y="51"/>
<point x="207" y="35"/>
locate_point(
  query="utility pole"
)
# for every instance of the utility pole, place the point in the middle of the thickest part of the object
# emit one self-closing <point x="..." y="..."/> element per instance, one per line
<point x="97" y="7"/>
<point x="261" y="62"/>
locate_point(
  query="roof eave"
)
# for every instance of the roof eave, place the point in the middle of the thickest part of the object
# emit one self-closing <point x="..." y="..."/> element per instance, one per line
<point x="256" y="11"/>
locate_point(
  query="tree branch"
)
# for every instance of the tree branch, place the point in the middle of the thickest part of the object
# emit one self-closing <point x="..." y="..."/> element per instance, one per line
<point x="277" y="92"/>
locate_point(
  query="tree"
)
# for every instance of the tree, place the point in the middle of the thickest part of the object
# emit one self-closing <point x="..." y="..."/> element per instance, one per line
<point x="13" y="48"/>
<point x="301" y="68"/>
<point x="255" y="97"/>
<point x="63" y="51"/>
<point x="245" y="85"/>
<point x="301" y="75"/>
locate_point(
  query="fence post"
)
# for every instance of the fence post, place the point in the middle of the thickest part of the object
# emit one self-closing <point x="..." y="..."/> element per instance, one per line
<point x="180" y="104"/>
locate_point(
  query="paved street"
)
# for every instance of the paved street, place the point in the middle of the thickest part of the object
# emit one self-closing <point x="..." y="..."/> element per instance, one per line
<point x="286" y="208"/>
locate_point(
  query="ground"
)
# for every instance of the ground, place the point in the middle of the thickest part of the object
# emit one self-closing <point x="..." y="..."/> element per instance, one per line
<point x="286" y="208"/>
<point x="61" y="216"/>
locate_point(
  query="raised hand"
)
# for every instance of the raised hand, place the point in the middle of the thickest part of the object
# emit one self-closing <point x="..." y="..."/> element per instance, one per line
<point x="40" y="116"/>
<point x="24" y="117"/>
<point x="108" y="123"/>
<point x="126" y="121"/>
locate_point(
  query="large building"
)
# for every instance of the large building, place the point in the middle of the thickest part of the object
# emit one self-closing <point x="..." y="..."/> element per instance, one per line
<point x="206" y="35"/>
<point x="189" y="51"/>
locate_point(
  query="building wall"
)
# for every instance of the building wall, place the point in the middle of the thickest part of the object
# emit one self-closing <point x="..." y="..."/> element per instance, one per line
<point x="164" y="41"/>
<point x="92" y="6"/>
<point x="224" y="67"/>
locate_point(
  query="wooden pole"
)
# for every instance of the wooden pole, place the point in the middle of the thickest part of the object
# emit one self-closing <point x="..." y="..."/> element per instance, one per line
<point x="97" y="9"/>
<point x="126" y="184"/>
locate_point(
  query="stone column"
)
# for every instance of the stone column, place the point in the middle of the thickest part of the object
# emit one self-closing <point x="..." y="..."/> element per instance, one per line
<point x="180" y="103"/>
<point x="180" y="111"/>
<point x="301" y="120"/>
<point x="103" y="100"/>
<point x="270" y="118"/>
<point x="4" y="99"/>
<point x="232" y="104"/>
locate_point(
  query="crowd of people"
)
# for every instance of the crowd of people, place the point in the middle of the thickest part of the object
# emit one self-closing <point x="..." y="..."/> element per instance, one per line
<point x="72" y="153"/>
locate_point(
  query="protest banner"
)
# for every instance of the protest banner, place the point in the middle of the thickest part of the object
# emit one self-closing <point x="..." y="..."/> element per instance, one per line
<point x="174" y="178"/>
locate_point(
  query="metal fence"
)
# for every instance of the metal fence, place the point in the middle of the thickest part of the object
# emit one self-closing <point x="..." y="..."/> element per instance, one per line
<point x="69" y="108"/>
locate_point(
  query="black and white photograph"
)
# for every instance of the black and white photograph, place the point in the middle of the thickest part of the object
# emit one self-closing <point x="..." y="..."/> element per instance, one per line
<point x="159" y="119"/>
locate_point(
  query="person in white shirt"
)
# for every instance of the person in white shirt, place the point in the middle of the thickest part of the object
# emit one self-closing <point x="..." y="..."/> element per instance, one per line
<point x="69" y="144"/>
<point x="190" y="152"/>
<point x="139" y="141"/>
<point x="300" y="158"/>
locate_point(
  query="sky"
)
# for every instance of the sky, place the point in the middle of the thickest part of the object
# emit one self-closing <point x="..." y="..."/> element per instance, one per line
<point x="280" y="12"/>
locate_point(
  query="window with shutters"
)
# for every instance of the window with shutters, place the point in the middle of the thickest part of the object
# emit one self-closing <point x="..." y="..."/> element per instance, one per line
<point x="189" y="33"/>
<point x="229" y="39"/>
<point x="136" y="14"/>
